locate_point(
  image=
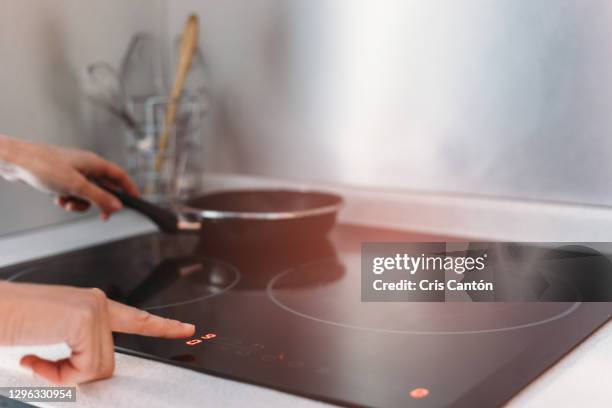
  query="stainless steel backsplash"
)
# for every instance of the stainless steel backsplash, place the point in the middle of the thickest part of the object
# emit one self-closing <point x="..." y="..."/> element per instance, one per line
<point x="505" y="98"/>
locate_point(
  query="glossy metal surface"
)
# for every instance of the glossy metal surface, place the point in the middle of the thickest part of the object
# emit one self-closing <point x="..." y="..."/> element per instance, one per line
<point x="264" y="205"/>
<point x="476" y="97"/>
<point x="245" y="216"/>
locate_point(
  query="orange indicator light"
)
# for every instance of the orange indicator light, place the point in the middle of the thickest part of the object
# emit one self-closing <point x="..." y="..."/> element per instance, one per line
<point x="209" y="336"/>
<point x="193" y="342"/>
<point x="419" y="393"/>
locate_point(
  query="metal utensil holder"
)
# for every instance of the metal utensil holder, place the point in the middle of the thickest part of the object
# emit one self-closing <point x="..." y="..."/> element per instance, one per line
<point x="180" y="173"/>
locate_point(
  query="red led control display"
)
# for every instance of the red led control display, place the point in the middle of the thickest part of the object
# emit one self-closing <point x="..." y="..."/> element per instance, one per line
<point x="207" y="336"/>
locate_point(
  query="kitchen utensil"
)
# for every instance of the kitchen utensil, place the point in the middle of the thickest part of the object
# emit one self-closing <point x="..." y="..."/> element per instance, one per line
<point x="189" y="43"/>
<point x="196" y="84"/>
<point x="104" y="88"/>
<point x="141" y="69"/>
<point x="180" y="176"/>
<point x="245" y="215"/>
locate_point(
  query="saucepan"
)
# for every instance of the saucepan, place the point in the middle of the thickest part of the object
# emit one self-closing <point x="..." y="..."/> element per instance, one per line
<point x="245" y="216"/>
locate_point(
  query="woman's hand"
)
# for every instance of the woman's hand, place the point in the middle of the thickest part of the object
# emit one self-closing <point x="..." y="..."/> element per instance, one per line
<point x="83" y="318"/>
<point x="65" y="173"/>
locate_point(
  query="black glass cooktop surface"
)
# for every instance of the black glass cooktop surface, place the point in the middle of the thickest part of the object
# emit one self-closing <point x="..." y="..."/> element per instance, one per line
<point x="290" y="317"/>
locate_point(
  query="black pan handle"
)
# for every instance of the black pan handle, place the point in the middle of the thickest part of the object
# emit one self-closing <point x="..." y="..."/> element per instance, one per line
<point x="166" y="220"/>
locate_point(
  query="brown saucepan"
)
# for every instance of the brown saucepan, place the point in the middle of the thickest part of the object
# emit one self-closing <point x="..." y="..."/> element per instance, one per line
<point x="244" y="216"/>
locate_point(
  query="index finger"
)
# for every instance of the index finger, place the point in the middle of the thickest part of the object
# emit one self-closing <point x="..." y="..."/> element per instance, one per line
<point x="117" y="175"/>
<point x="128" y="319"/>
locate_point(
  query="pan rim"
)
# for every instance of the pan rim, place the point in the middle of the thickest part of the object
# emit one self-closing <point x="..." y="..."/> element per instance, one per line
<point x="270" y="215"/>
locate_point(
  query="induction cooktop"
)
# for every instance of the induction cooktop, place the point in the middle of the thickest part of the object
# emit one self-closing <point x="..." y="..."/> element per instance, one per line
<point x="289" y="316"/>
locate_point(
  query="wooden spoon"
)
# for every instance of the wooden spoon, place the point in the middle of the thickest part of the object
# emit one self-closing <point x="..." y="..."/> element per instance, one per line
<point x="189" y="44"/>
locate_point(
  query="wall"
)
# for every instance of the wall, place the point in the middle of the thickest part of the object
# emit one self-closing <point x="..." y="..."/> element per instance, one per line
<point x="45" y="46"/>
<point x="505" y="98"/>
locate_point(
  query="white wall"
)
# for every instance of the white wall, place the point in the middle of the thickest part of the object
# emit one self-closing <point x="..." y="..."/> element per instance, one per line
<point x="505" y="98"/>
<point x="44" y="47"/>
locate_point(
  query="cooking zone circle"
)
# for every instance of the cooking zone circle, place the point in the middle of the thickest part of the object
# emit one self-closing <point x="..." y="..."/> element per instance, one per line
<point x="339" y="303"/>
<point x="138" y="282"/>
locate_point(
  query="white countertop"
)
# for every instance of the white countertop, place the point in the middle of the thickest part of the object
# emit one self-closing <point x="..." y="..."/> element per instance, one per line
<point x="578" y="379"/>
